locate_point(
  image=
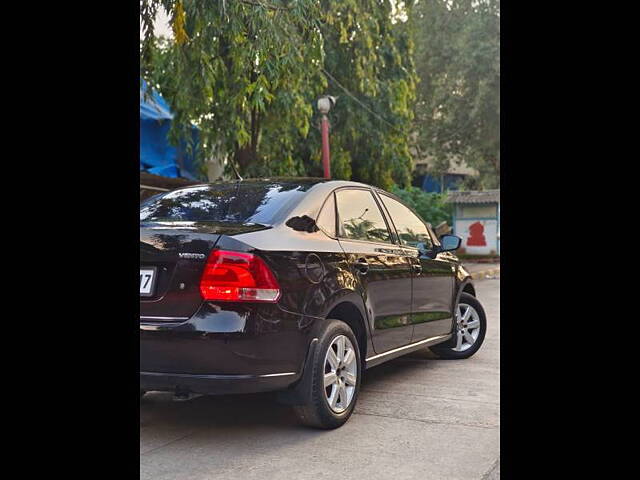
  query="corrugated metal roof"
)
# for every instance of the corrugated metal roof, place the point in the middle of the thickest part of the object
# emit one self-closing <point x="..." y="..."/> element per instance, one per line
<point x="473" y="196"/>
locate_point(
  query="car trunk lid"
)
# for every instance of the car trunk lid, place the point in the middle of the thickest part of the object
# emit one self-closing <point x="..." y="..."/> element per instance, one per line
<point x="176" y="252"/>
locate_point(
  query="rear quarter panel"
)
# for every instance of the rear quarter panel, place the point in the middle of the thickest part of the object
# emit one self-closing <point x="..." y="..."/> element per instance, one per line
<point x="311" y="268"/>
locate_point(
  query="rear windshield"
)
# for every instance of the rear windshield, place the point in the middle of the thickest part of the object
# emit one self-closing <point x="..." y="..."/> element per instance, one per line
<point x="225" y="202"/>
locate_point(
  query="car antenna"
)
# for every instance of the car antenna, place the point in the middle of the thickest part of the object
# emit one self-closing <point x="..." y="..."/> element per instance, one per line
<point x="235" y="170"/>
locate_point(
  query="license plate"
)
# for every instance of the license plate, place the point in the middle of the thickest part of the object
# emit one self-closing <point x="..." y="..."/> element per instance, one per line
<point x="147" y="281"/>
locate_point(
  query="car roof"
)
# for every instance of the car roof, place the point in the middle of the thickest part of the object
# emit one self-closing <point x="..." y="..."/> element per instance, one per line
<point x="317" y="190"/>
<point x="302" y="181"/>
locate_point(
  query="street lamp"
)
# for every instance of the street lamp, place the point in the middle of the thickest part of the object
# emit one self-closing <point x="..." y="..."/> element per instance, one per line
<point x="324" y="105"/>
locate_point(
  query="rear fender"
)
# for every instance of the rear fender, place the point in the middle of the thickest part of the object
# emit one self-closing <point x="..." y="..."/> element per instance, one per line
<point x="300" y="392"/>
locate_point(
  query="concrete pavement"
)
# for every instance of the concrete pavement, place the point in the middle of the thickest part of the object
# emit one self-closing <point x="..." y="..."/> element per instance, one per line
<point x="480" y="271"/>
<point x="417" y="418"/>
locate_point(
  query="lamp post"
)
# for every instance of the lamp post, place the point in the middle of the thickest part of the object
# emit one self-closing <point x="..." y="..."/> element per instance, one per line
<point x="324" y="105"/>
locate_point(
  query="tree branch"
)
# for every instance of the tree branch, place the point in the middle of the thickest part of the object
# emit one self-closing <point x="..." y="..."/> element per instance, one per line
<point x="258" y="3"/>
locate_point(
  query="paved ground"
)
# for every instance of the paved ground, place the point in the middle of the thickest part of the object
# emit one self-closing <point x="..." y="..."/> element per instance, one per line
<point x="482" y="270"/>
<point x="417" y="418"/>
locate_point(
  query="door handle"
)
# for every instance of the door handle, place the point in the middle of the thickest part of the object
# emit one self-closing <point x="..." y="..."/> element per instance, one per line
<point x="362" y="266"/>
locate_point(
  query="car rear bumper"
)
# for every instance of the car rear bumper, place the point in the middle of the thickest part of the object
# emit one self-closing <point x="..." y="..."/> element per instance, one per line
<point x="224" y="349"/>
<point x="216" y="384"/>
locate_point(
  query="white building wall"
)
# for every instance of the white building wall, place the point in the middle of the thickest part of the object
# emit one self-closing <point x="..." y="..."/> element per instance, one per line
<point x="485" y="240"/>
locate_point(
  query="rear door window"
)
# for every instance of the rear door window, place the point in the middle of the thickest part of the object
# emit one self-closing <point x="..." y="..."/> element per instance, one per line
<point x="359" y="217"/>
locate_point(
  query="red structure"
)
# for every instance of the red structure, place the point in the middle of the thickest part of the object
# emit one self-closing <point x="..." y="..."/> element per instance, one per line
<point x="326" y="158"/>
<point x="476" y="235"/>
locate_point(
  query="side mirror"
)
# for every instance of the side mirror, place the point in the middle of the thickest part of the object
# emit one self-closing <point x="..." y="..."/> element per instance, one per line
<point x="450" y="243"/>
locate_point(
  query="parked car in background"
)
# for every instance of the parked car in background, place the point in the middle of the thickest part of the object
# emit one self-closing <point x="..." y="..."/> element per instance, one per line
<point x="295" y="285"/>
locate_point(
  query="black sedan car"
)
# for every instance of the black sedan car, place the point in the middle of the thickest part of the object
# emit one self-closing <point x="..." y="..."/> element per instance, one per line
<point x="295" y="285"/>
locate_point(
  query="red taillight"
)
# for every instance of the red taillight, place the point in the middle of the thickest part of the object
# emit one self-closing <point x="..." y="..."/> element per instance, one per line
<point x="238" y="277"/>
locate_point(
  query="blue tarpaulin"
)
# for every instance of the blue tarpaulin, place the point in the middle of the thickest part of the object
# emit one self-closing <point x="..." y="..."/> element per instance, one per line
<point x="157" y="155"/>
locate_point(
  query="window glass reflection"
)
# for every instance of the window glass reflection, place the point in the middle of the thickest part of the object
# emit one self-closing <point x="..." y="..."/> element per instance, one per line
<point x="231" y="202"/>
<point x="360" y="217"/>
<point x="410" y="228"/>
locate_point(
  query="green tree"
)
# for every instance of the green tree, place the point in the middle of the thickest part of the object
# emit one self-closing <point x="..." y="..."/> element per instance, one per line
<point x="248" y="72"/>
<point x="458" y="62"/>
<point x="232" y="68"/>
<point x="369" y="51"/>
<point x="432" y="207"/>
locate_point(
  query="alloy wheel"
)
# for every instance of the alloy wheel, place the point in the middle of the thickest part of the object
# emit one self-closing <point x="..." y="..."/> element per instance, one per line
<point x="467" y="327"/>
<point x="340" y="374"/>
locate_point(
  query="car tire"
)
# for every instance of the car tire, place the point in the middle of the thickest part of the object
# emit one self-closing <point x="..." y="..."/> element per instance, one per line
<point x="330" y="406"/>
<point x="469" y="314"/>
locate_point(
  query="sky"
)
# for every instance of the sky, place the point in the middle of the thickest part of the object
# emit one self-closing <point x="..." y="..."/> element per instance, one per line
<point x="161" y="26"/>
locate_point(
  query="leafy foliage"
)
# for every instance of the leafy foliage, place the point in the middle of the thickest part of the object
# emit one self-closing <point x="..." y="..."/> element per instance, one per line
<point x="237" y="73"/>
<point x="248" y="72"/>
<point x="430" y="206"/>
<point x="372" y="57"/>
<point x="458" y="62"/>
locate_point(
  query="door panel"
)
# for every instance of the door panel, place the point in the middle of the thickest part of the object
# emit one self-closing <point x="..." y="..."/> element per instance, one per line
<point x="433" y="279"/>
<point x="387" y="287"/>
<point x="382" y="268"/>
<point x="432" y="306"/>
